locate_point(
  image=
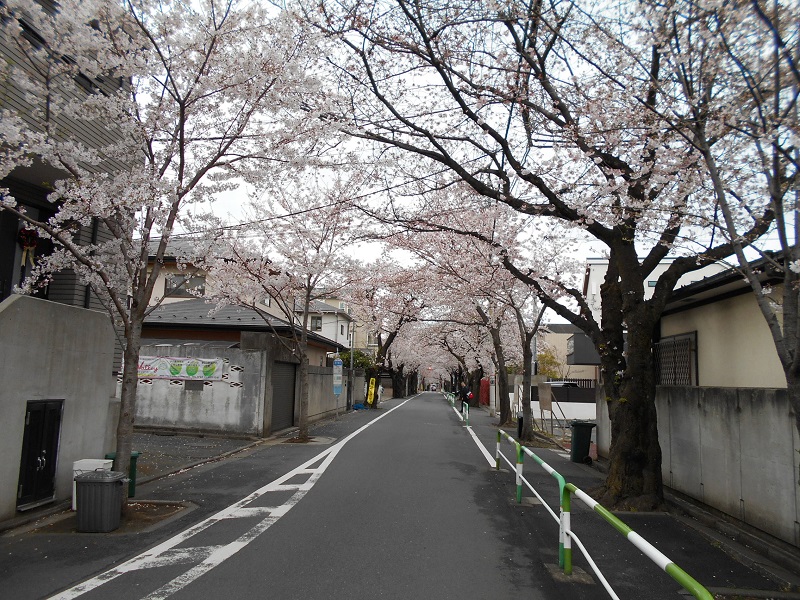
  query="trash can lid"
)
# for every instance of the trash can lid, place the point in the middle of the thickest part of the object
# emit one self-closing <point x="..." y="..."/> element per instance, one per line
<point x="100" y="476"/>
<point x="581" y="423"/>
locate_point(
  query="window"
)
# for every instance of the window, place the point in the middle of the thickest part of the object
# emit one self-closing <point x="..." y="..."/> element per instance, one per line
<point x="341" y="329"/>
<point x="316" y="323"/>
<point x="372" y="339"/>
<point x="676" y="360"/>
<point x="184" y="286"/>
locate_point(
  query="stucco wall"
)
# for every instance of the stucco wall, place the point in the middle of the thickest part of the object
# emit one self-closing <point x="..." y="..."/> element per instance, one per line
<point x="51" y="351"/>
<point x="233" y="405"/>
<point x="727" y="333"/>
<point x="241" y="404"/>
<point x="736" y="450"/>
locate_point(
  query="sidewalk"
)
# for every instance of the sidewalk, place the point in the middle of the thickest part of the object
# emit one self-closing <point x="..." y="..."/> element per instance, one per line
<point x="729" y="560"/>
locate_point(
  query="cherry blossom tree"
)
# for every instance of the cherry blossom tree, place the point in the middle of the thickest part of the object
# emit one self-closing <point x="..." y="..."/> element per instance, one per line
<point x="464" y="274"/>
<point x="293" y="252"/>
<point x="462" y="251"/>
<point x="553" y="110"/>
<point x="182" y="99"/>
<point x="746" y="128"/>
<point x="386" y="298"/>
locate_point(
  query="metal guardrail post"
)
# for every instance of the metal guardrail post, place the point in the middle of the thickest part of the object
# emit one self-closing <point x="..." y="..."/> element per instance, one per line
<point x="565" y="527"/>
<point x="564" y="519"/>
<point x="519" y="473"/>
<point x="497" y="452"/>
<point x="682" y="577"/>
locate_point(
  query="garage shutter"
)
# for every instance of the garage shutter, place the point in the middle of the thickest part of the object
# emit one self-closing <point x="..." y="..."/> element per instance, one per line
<point x="282" y="395"/>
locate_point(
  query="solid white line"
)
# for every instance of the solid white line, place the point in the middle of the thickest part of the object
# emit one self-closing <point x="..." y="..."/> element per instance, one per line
<point x="152" y="557"/>
<point x="483" y="449"/>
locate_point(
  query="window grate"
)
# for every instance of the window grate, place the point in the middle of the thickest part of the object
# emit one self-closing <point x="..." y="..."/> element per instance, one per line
<point x="676" y="360"/>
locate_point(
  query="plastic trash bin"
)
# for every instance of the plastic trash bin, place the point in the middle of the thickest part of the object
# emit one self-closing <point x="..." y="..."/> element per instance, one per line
<point x="581" y="439"/>
<point x="99" y="501"/>
<point x="131" y="470"/>
<point x="85" y="465"/>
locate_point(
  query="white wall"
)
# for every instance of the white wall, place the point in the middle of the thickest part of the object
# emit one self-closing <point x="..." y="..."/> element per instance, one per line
<point x="51" y="351"/>
<point x="241" y="403"/>
<point x="596" y="271"/>
<point x="233" y="405"/>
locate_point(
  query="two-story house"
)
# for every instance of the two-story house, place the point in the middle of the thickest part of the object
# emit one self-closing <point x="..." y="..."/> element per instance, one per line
<point x="58" y="358"/>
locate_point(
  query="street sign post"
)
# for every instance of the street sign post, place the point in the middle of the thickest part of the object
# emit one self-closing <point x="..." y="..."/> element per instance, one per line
<point x="337" y="381"/>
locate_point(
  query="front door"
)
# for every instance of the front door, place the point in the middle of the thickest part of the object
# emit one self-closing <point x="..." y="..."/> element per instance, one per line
<point x="283" y="382"/>
<point x="37" y="469"/>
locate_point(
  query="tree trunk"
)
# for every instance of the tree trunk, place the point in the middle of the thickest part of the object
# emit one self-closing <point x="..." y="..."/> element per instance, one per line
<point x="793" y="391"/>
<point x="634" y="476"/>
<point x="501" y="380"/>
<point x="399" y="379"/>
<point x="127" y="409"/>
<point x="303" y="388"/>
<point x="527" y="375"/>
<point x="503" y="391"/>
<point x="475" y="386"/>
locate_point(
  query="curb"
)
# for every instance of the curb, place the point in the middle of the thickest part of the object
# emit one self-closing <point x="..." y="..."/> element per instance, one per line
<point x="762" y="553"/>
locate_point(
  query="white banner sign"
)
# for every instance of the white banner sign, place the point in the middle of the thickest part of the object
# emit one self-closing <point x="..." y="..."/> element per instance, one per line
<point x="167" y="367"/>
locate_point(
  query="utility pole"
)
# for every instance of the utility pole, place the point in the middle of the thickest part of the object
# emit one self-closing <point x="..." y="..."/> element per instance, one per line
<point x="350" y="378"/>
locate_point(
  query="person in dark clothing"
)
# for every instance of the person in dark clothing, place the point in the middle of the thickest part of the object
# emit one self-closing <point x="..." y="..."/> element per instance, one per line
<point x="463" y="393"/>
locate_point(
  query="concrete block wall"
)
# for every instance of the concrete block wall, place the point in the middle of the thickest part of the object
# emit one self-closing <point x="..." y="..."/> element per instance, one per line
<point x="241" y="404"/>
<point x="51" y="351"/>
<point x="321" y="401"/>
<point x="233" y="405"/>
<point x="734" y="449"/>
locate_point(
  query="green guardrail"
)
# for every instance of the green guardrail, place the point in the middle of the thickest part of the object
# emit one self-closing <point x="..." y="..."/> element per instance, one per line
<point x="566" y="535"/>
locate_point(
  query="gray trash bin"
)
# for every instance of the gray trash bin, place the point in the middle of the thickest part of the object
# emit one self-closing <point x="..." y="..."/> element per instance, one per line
<point x="99" y="495"/>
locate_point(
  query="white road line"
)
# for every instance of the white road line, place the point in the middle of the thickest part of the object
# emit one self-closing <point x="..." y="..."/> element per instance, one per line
<point x="208" y="557"/>
<point x="483" y="449"/>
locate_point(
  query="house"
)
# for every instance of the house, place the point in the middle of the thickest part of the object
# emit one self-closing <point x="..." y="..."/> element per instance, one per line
<point x="596" y="269"/>
<point x="249" y="384"/>
<point x="334" y="323"/>
<point x="361" y="338"/>
<point x="580" y="349"/>
<point x="698" y="345"/>
<point x="559" y="338"/>
<point x="726" y="426"/>
<point x="49" y="421"/>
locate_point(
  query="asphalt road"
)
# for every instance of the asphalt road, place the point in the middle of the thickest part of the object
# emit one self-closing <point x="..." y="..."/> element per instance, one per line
<point x="396" y="503"/>
<point x="407" y="507"/>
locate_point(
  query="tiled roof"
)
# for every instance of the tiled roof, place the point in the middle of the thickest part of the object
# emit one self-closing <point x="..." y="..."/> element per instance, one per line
<point x="194" y="314"/>
<point x="562" y="328"/>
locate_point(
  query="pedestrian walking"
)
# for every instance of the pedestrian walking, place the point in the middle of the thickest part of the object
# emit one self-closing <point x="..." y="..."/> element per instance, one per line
<point x="464" y="394"/>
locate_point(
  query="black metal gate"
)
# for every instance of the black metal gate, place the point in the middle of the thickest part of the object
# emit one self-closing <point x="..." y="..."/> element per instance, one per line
<point x="283" y="379"/>
<point x="37" y="469"/>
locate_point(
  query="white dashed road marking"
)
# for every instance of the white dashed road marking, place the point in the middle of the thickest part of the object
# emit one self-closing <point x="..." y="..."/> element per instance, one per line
<point x="205" y="558"/>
